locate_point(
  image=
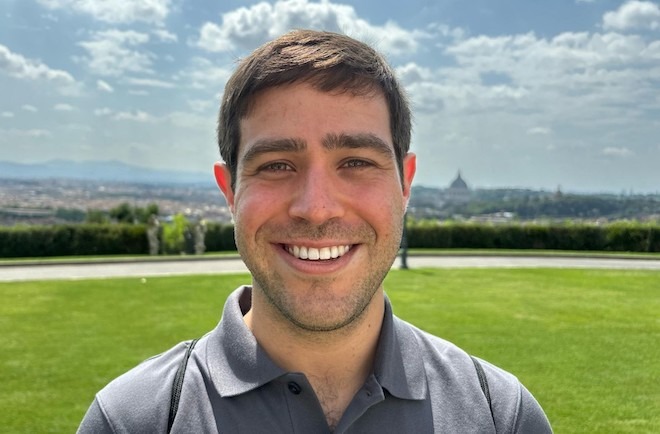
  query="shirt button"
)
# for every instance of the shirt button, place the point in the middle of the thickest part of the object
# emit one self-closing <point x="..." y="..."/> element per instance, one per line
<point x="294" y="388"/>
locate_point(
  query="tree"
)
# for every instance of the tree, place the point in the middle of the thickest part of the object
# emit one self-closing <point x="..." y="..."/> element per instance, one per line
<point x="174" y="234"/>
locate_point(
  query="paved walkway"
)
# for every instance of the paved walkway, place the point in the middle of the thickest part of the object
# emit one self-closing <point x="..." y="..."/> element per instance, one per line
<point x="9" y="273"/>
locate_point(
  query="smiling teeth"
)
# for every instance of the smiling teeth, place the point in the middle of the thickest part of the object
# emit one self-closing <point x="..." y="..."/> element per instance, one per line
<point x="314" y="254"/>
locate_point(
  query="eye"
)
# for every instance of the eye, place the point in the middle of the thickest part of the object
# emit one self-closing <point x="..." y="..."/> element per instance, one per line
<point x="356" y="163"/>
<point x="277" y="166"/>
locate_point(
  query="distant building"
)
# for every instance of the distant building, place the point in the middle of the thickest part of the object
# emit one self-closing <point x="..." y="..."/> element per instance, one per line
<point x="458" y="190"/>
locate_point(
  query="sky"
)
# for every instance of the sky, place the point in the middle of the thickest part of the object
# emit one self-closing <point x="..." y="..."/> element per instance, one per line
<point x="513" y="93"/>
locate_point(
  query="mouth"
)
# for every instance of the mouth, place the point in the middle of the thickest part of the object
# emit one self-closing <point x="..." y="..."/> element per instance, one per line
<point x="317" y="254"/>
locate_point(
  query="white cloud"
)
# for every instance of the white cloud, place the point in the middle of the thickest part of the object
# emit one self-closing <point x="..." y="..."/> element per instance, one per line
<point x="539" y="131"/>
<point x="552" y="75"/>
<point x="165" y="36"/>
<point x="115" y="11"/>
<point x="35" y="133"/>
<point x="633" y="14"/>
<point x="7" y="115"/>
<point x="247" y="28"/>
<point x="412" y="73"/>
<point x="105" y="111"/>
<point x="111" y="53"/>
<point x="149" y="82"/>
<point x="134" y="116"/>
<point x="29" y="108"/>
<point x="201" y="105"/>
<point x="204" y="74"/>
<point x="192" y="121"/>
<point x="585" y="1"/>
<point x="104" y="86"/>
<point x="617" y="152"/>
<point x="17" y="66"/>
<point x="140" y="92"/>
<point x="63" y="107"/>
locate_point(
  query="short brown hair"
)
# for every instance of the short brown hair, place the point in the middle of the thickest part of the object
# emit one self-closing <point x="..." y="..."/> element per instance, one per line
<point x="329" y="62"/>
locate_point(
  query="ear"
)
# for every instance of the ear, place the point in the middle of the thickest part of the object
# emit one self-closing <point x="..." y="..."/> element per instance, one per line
<point x="409" y="168"/>
<point x="223" y="179"/>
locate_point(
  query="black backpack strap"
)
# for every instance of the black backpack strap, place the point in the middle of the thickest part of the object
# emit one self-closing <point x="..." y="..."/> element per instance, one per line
<point x="483" y="382"/>
<point x="177" y="385"/>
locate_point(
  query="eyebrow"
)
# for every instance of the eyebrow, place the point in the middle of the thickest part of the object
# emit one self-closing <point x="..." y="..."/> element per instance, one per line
<point x="265" y="146"/>
<point x="356" y="141"/>
<point x="329" y="142"/>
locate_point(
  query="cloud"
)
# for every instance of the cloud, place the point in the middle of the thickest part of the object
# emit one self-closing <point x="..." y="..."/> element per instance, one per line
<point x="165" y="36"/>
<point x="7" y="115"/>
<point x="149" y="82"/>
<point x="633" y="15"/>
<point x="621" y="152"/>
<point x="105" y="111"/>
<point x="204" y="74"/>
<point x="191" y="121"/>
<point x="115" y="11"/>
<point x="29" y="108"/>
<point x="600" y="71"/>
<point x="111" y="53"/>
<point x="17" y="66"/>
<point x="140" y="92"/>
<point x="35" y="133"/>
<point x="63" y="107"/>
<point x="104" y="86"/>
<point x="246" y="28"/>
<point x="539" y="131"/>
<point x="134" y="116"/>
<point x="411" y="73"/>
<point x="201" y="105"/>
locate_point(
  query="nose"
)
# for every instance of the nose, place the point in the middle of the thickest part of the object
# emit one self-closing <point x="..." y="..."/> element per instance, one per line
<point x="317" y="198"/>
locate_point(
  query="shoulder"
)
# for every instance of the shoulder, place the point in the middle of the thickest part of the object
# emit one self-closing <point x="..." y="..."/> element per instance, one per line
<point x="138" y="401"/>
<point x="451" y="369"/>
<point x="514" y="407"/>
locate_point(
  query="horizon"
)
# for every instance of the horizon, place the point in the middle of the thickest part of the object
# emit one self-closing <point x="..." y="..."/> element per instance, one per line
<point x="511" y="93"/>
<point x="204" y="177"/>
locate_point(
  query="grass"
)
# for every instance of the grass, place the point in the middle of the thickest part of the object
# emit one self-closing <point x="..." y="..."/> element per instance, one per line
<point x="412" y="252"/>
<point x="585" y="342"/>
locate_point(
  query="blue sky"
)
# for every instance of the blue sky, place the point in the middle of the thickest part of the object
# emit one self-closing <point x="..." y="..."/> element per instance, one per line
<point x="514" y="93"/>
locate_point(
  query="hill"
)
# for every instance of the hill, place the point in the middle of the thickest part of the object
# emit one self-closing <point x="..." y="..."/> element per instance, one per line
<point x="99" y="171"/>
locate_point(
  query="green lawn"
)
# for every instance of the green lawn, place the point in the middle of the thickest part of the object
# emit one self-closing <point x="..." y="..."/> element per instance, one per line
<point x="585" y="342"/>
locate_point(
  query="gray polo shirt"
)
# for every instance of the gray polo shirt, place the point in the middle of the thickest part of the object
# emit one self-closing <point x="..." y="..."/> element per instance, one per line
<point x="420" y="384"/>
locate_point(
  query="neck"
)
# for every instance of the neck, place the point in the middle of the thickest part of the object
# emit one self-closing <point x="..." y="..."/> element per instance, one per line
<point x="336" y="363"/>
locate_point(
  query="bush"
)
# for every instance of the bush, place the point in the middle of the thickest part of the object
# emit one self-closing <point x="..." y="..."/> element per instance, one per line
<point x="67" y="240"/>
<point x="220" y="237"/>
<point x="174" y="235"/>
<point x="620" y="236"/>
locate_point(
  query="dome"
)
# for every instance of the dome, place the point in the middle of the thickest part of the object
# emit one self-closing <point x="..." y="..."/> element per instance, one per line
<point x="458" y="183"/>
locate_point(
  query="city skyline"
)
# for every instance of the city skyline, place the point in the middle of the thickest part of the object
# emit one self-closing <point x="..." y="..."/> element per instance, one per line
<point x="512" y="93"/>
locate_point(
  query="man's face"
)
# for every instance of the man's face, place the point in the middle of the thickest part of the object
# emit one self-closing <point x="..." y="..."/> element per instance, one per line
<point x="318" y="203"/>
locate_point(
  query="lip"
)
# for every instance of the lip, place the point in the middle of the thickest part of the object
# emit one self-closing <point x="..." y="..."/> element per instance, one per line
<point x="305" y="266"/>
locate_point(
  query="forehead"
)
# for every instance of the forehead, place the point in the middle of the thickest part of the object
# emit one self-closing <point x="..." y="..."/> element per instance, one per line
<point x="304" y="113"/>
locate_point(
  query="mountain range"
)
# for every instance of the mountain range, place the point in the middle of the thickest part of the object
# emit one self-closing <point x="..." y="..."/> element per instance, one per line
<point x="100" y="171"/>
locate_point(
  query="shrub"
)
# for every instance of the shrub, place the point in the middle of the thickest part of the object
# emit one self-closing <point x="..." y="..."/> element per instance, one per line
<point x="220" y="237"/>
<point x="66" y="240"/>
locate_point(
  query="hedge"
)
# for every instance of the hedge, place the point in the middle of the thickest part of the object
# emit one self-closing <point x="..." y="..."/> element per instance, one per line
<point x="614" y="237"/>
<point x="80" y="239"/>
<point x="116" y="239"/>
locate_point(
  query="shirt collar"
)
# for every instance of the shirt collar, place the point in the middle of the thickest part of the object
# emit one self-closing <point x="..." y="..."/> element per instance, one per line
<point x="398" y="367"/>
<point x="237" y="364"/>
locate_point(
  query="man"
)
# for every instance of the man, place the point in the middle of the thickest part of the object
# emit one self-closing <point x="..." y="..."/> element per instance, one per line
<point x="314" y="132"/>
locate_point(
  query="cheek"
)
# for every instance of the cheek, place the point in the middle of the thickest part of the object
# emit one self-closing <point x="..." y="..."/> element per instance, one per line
<point x="382" y="209"/>
<point x="253" y="207"/>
